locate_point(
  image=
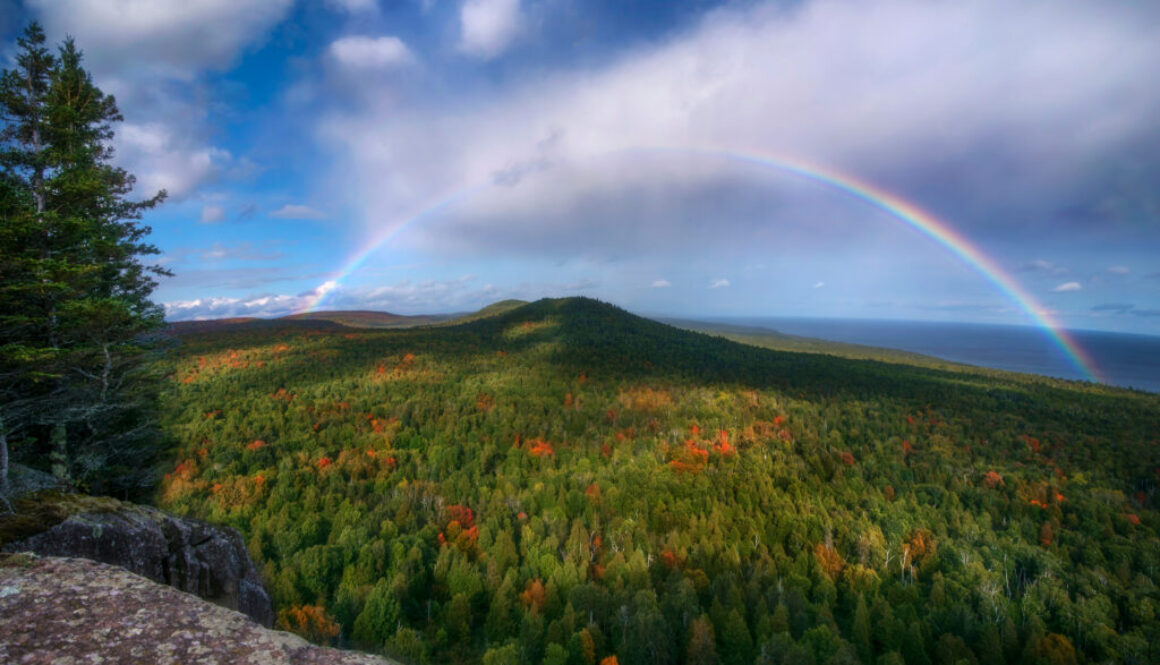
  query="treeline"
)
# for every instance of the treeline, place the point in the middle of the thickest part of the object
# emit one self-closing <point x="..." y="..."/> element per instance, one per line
<point x="568" y="484"/>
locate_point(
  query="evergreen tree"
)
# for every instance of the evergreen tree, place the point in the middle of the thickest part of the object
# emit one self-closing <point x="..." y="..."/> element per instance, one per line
<point x="861" y="629"/>
<point x="990" y="647"/>
<point x="702" y="643"/>
<point x="914" y="646"/>
<point x="735" y="642"/>
<point x="75" y="296"/>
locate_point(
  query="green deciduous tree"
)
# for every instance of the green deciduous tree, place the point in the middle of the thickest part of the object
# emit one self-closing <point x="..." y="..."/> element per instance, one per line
<point x="379" y="618"/>
<point x="74" y="300"/>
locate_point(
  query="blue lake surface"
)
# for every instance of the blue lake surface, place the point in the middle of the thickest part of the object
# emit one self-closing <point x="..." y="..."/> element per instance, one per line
<point x="1126" y="360"/>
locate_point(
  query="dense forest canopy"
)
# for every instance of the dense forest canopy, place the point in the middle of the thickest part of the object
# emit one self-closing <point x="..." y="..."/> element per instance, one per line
<point x="564" y="482"/>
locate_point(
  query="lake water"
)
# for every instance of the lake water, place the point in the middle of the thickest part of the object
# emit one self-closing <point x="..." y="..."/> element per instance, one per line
<point x="1130" y="361"/>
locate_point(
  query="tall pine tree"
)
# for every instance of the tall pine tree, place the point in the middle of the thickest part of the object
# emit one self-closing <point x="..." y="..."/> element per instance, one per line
<point x="74" y="294"/>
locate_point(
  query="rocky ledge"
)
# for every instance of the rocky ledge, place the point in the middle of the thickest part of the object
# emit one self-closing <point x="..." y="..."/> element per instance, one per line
<point x="190" y="555"/>
<point x="72" y="611"/>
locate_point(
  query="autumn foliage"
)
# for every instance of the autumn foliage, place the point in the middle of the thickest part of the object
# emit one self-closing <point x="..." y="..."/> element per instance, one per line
<point x="689" y="458"/>
<point x="461" y="514"/>
<point x="309" y="621"/>
<point x="921" y="545"/>
<point x="1046" y="534"/>
<point x="829" y="560"/>
<point x="562" y="502"/>
<point x="645" y="399"/>
<point x="593" y="492"/>
<point x="533" y="596"/>
<point x="722" y="445"/>
<point x="540" y="448"/>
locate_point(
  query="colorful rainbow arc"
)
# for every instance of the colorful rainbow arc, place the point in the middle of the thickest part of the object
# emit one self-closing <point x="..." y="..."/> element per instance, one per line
<point x="898" y="208"/>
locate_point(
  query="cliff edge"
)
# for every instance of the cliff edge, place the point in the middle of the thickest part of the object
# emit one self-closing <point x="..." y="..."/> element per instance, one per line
<point x="55" y="610"/>
<point x="187" y="554"/>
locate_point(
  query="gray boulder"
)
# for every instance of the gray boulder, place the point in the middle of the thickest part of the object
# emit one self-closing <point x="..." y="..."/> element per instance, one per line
<point x="193" y="556"/>
<point x="55" y="611"/>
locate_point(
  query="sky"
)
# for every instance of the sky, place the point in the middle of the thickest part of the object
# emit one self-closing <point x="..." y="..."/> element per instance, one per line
<point x="421" y="156"/>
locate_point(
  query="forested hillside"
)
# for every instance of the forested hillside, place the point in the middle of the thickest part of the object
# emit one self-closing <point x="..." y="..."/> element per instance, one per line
<point x="565" y="483"/>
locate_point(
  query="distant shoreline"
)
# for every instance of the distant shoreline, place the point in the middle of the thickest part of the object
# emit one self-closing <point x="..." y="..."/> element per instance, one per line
<point x="1128" y="360"/>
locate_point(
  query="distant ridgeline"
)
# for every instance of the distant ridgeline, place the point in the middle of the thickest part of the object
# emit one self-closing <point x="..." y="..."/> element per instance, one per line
<point x="562" y="482"/>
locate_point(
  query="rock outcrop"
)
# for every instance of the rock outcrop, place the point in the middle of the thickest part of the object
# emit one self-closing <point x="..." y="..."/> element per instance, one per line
<point x="187" y="554"/>
<point x="80" y="611"/>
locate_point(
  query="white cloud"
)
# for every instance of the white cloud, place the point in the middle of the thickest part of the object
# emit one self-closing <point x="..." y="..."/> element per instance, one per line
<point x="866" y="87"/>
<point x="264" y="306"/>
<point x="178" y="37"/>
<point x="163" y="159"/>
<point x="361" y="52"/>
<point x="818" y="285"/>
<point x="661" y="284"/>
<point x="1120" y="270"/>
<point x="1067" y="286"/>
<point x="212" y="214"/>
<point x="325" y="288"/>
<point x="488" y="27"/>
<point x="451" y="295"/>
<point x="152" y="54"/>
<point x="719" y="283"/>
<point x="220" y="308"/>
<point x="292" y="211"/>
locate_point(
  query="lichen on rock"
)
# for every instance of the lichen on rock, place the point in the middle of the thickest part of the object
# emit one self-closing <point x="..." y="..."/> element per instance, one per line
<point x="56" y="610"/>
<point x="188" y="554"/>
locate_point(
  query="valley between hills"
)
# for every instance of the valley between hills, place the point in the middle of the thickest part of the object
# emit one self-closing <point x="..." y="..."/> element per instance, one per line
<point x="563" y="482"/>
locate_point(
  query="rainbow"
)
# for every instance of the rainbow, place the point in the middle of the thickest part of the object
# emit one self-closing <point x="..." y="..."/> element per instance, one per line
<point x="920" y="220"/>
<point x="313" y="300"/>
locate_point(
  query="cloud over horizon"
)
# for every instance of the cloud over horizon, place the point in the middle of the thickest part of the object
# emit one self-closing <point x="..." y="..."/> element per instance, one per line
<point x="539" y="146"/>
